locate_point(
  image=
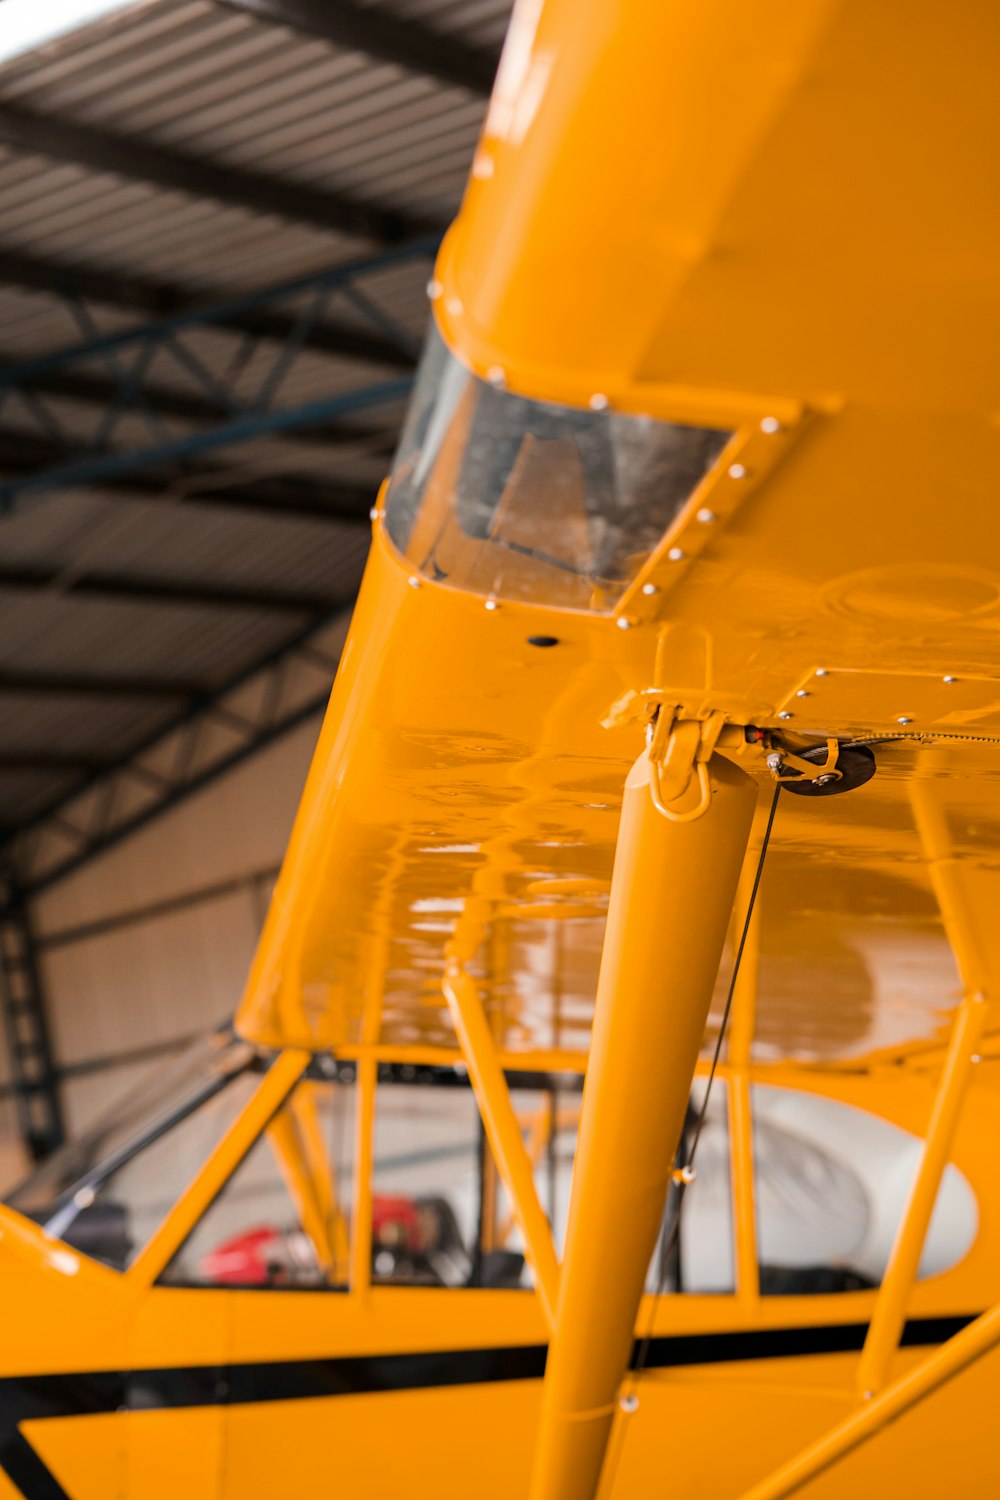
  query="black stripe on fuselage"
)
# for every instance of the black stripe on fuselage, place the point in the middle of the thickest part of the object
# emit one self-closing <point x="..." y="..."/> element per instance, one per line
<point x="33" y="1397"/>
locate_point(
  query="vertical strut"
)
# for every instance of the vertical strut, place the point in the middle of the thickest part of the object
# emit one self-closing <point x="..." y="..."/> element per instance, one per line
<point x="671" y="897"/>
<point x="904" y="1262"/>
<point x="741" y="1031"/>
<point x="32" y="1067"/>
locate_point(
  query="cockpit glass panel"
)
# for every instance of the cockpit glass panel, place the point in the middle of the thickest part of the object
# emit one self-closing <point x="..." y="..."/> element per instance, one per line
<point x="106" y="1193"/>
<point x="519" y="499"/>
<point x="283" y="1218"/>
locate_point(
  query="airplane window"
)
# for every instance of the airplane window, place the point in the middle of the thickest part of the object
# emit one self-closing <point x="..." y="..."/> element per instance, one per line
<point x="440" y="1215"/>
<point x="157" y="1101"/>
<point x="110" y="1209"/>
<point x="425" y="1183"/>
<point x="114" y="1214"/>
<point x="698" y="1259"/>
<point x="283" y="1218"/>
<point x="525" y="499"/>
<point x="831" y="1182"/>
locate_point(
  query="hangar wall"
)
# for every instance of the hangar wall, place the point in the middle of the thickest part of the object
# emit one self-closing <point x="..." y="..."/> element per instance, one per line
<point x="149" y="944"/>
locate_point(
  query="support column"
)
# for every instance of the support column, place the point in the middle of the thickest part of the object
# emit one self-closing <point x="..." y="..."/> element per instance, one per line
<point x="36" y="1091"/>
<point x="671" y="897"/>
<point x="901" y="1273"/>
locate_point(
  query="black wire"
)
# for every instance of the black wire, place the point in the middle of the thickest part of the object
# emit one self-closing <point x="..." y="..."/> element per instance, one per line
<point x="670" y="1239"/>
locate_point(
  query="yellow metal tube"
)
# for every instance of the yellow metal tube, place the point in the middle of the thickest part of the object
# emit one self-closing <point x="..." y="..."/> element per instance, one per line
<point x="503" y="1130"/>
<point x="741" y="1030"/>
<point x="979" y="1339"/>
<point x="904" y="1263"/>
<point x="261" y="1107"/>
<point x="890" y="1307"/>
<point x="364" y="1153"/>
<point x="671" y="896"/>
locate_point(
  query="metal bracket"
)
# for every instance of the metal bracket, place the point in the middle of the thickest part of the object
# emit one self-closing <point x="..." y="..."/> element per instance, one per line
<point x="781" y="761"/>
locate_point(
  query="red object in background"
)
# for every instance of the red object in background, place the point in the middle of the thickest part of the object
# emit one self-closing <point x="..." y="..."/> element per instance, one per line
<point x="246" y="1259"/>
<point x="399" y="1214"/>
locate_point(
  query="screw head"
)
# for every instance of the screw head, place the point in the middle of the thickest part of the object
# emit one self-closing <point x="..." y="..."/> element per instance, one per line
<point x="775" y="761"/>
<point x="373" y="514"/>
<point x="413" y="581"/>
<point x="649" y="589"/>
<point x="820" y="671"/>
<point x="496" y="377"/>
<point x="623" y="623"/>
<point x="949" y="678"/>
<point x="770" y="425"/>
<point x="706" y="516"/>
<point x="629" y="1403"/>
<point x="802" y="693"/>
<point x="785" y="714"/>
<point x="676" y="554"/>
<point x="737" y="471"/>
<point x="599" y="402"/>
<point x="904" y="719"/>
<point x="434" y="288"/>
<point x="491" y="604"/>
<point x="825" y="780"/>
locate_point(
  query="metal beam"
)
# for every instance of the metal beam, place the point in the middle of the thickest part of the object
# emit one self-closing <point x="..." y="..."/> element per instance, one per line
<point x="91" y="685"/>
<point x="97" y="467"/>
<point x="163" y="299"/>
<point x="34" y="1085"/>
<point x="380" y="34"/>
<point x="294" y="495"/>
<point x="141" y="589"/>
<point x="956" y="1354"/>
<point x="169" y="401"/>
<point x="663" y="941"/>
<point x="97" y="813"/>
<point x="177" y="171"/>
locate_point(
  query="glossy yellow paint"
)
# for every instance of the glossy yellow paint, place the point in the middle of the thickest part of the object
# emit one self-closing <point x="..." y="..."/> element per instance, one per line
<point x="772" y="220"/>
<point x="653" y="995"/>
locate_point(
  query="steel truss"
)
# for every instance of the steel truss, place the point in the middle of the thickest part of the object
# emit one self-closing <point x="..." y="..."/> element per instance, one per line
<point x="33" y="1073"/>
<point x="168" y="424"/>
<point x="211" y="735"/>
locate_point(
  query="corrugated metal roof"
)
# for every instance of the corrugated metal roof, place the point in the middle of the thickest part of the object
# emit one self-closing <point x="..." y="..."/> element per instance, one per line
<point x="221" y="87"/>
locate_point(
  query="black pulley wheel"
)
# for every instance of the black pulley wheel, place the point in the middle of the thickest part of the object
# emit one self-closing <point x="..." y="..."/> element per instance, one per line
<point x="856" y="764"/>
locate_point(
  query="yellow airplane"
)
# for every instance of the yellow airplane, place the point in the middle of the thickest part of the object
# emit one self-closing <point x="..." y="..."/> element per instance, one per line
<point x="664" y="750"/>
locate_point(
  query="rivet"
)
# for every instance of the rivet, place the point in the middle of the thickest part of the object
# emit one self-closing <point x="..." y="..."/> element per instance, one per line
<point x="374" y="513"/>
<point x="454" y="306"/>
<point x="949" y="679"/>
<point x="802" y="693"/>
<point x="650" y="589"/>
<point x="599" y="402"/>
<point x="976" y="1057"/>
<point x="491" y="604"/>
<point x="867" y="1395"/>
<point x="737" y="471"/>
<point x="623" y="623"/>
<point x="821" y="671"/>
<point x="629" y="1403"/>
<point x="413" y="581"/>
<point x="706" y="516"/>
<point x="785" y="714"/>
<point x="904" y="719"/>
<point x="676" y="554"/>
<point x="686" y="1174"/>
<point x="770" y="425"/>
<point x="434" y="288"/>
<point x="496" y="377"/>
